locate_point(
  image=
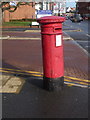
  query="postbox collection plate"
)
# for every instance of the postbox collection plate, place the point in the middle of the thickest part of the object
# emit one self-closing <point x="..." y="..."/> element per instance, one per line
<point x="58" y="40"/>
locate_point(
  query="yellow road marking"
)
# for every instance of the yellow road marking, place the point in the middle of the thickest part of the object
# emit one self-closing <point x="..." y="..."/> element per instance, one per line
<point x="33" y="72"/>
<point x="42" y="76"/>
<point x="78" y="85"/>
<point x="77" y="82"/>
<point x="19" y="73"/>
<point x="7" y="71"/>
<point x="77" y="79"/>
<point x="69" y="84"/>
<point x="39" y="74"/>
<point x="22" y="70"/>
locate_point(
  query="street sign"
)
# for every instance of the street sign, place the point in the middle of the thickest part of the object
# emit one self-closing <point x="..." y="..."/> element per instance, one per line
<point x="42" y="13"/>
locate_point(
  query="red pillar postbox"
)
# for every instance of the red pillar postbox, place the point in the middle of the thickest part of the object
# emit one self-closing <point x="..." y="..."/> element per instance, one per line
<point x="52" y="51"/>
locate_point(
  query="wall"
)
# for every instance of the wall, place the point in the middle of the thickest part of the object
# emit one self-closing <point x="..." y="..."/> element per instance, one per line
<point x="22" y="12"/>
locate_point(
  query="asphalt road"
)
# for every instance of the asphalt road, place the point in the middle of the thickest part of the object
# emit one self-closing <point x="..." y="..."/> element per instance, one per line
<point x="79" y="32"/>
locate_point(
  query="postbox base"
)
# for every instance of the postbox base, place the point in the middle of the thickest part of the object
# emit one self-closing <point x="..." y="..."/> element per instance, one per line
<point x="53" y="84"/>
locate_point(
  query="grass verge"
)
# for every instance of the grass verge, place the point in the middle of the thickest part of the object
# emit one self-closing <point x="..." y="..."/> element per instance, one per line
<point x="16" y="23"/>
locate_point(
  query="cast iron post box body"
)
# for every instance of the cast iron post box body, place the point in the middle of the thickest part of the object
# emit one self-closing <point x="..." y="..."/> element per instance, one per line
<point x="52" y="51"/>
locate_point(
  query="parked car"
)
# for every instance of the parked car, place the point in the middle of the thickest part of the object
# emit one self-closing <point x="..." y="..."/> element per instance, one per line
<point x="76" y="18"/>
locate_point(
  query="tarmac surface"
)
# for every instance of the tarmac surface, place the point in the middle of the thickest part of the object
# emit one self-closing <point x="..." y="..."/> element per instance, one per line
<point x="22" y="80"/>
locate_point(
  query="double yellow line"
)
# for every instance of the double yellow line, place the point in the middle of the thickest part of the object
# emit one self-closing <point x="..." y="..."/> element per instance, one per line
<point x="21" y="72"/>
<point x="77" y="82"/>
<point x="70" y="81"/>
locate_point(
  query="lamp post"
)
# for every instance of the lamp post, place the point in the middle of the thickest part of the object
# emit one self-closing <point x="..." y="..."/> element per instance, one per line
<point x="76" y="1"/>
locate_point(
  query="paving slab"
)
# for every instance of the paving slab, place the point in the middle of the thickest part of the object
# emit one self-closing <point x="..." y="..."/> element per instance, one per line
<point x="10" y="83"/>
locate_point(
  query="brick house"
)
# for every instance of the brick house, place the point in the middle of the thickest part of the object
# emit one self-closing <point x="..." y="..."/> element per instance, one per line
<point x="22" y="12"/>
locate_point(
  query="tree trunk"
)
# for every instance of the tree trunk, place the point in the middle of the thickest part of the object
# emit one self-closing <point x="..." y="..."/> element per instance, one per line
<point x="6" y="16"/>
<point x="0" y="22"/>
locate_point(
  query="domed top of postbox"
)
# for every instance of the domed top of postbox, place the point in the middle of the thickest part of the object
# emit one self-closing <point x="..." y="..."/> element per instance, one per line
<point x="51" y="19"/>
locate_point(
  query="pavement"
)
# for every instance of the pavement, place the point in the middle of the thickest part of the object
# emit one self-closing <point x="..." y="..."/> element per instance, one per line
<point x="22" y="85"/>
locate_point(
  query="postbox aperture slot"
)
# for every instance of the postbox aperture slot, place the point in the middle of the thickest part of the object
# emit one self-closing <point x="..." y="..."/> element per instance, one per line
<point x="57" y="29"/>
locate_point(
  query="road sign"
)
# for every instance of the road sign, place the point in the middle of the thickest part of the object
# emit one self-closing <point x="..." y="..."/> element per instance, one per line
<point x="42" y="13"/>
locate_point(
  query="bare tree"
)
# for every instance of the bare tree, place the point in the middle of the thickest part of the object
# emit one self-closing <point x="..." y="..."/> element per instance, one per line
<point x="6" y="6"/>
<point x="11" y="8"/>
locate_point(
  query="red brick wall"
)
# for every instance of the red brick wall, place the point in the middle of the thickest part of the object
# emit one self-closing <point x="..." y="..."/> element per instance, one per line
<point x="22" y="12"/>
